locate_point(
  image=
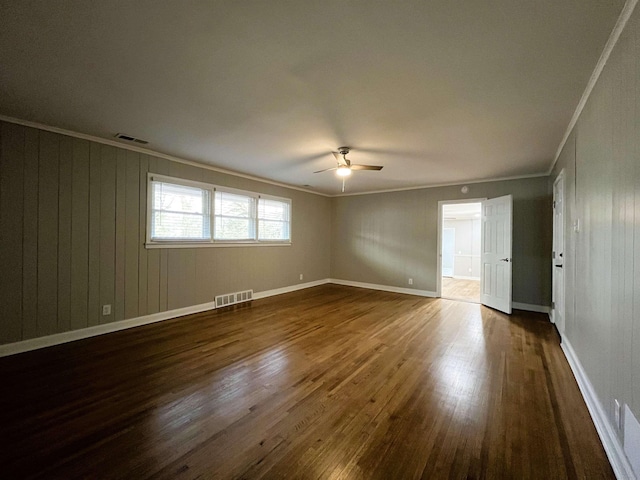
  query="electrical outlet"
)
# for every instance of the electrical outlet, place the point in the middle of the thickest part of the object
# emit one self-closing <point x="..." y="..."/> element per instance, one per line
<point x="411" y="281"/>
<point x="301" y="277"/>
<point x="106" y="309"/>
<point x="616" y="412"/>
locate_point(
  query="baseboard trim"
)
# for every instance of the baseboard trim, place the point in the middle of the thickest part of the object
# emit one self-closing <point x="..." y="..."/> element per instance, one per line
<point x="385" y="288"/>
<point x="610" y="442"/>
<point x="462" y="277"/>
<point x="289" y="289"/>
<point x="530" y="307"/>
<point x="65" y="337"/>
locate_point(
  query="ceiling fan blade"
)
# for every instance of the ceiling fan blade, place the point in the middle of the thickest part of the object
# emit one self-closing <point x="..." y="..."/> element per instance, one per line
<point x="326" y="170"/>
<point x="340" y="159"/>
<point x="366" y="167"/>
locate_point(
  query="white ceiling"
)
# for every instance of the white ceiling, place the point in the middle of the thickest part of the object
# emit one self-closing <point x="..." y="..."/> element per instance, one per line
<point x="461" y="211"/>
<point x="437" y="91"/>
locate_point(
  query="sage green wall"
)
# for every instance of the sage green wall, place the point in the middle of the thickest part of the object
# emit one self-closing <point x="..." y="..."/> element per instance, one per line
<point x="72" y="232"/>
<point x="386" y="238"/>
<point x="601" y="163"/>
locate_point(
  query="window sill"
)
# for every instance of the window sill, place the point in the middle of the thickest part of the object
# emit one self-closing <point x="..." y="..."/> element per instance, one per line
<point x="215" y="244"/>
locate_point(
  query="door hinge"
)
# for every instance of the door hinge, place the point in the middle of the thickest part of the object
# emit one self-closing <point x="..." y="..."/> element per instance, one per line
<point x="554" y="204"/>
<point x="553" y="254"/>
<point x="553" y="305"/>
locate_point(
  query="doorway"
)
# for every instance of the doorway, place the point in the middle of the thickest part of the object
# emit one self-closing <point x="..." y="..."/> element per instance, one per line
<point x="558" y="294"/>
<point x="460" y="250"/>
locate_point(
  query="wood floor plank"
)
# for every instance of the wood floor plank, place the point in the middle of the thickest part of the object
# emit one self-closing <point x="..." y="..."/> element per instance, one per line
<point x="327" y="382"/>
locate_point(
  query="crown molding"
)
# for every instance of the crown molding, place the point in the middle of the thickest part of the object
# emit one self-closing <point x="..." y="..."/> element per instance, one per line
<point x="148" y="151"/>
<point x="452" y="184"/>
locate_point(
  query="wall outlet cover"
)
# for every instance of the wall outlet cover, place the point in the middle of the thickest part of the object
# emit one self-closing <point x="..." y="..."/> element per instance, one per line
<point x="106" y="310"/>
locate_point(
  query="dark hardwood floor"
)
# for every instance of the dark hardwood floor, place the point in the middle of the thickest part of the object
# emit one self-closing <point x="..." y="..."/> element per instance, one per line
<point x="329" y="382"/>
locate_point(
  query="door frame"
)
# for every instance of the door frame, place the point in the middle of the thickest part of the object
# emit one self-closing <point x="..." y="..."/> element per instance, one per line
<point x="441" y="205"/>
<point x="559" y="178"/>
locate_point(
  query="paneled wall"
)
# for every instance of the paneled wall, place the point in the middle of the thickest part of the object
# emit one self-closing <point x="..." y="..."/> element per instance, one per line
<point x="72" y="232"/>
<point x="467" y="246"/>
<point x="601" y="163"/>
<point x="386" y="238"/>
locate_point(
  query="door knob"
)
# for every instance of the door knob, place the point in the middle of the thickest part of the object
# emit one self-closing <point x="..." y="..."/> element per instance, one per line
<point x="505" y="259"/>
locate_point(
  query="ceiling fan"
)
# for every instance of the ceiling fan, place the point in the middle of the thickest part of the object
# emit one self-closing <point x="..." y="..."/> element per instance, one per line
<point x="345" y="167"/>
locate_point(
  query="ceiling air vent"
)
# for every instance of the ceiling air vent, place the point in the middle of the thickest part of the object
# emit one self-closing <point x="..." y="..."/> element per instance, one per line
<point x="129" y="138"/>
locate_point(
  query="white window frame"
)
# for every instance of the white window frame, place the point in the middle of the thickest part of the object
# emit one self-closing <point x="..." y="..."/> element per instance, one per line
<point x="182" y="243"/>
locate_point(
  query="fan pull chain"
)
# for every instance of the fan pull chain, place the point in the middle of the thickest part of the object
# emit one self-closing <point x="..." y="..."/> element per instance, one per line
<point x="343" y="184"/>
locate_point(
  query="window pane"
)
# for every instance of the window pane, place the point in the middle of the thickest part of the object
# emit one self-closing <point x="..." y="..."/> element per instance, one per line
<point x="179" y="212"/>
<point x="273" y="210"/>
<point x="274" y="219"/>
<point x="271" y="230"/>
<point x="232" y="205"/>
<point x="234" y="216"/>
<point x="180" y="198"/>
<point x="234" y="229"/>
<point x="171" y="225"/>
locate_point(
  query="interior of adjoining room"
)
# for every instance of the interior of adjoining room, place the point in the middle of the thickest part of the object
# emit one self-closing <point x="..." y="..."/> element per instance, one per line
<point x="460" y="251"/>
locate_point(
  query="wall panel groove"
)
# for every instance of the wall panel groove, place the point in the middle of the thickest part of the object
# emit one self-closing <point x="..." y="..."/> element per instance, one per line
<point x="30" y="236"/>
<point x="11" y="227"/>
<point x="80" y="234"/>
<point x="48" y="234"/>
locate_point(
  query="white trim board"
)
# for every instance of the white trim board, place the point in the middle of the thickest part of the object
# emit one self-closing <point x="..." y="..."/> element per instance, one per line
<point x="65" y="337"/>
<point x="385" y="288"/>
<point x="289" y="289"/>
<point x="606" y="432"/>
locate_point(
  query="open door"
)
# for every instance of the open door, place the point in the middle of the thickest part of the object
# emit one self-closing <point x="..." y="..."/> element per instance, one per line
<point x="495" y="258"/>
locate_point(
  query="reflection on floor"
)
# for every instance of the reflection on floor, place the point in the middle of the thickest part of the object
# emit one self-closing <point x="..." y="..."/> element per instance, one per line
<point x="459" y="289"/>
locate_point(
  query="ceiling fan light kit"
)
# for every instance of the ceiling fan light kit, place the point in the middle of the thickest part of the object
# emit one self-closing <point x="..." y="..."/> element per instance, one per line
<point x="343" y="171"/>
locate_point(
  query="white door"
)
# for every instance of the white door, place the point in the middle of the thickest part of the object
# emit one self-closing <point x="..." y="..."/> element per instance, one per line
<point x="448" y="251"/>
<point x="558" y="254"/>
<point x="495" y="282"/>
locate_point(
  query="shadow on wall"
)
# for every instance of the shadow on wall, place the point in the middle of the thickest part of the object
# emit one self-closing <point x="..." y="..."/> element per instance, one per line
<point x="378" y="257"/>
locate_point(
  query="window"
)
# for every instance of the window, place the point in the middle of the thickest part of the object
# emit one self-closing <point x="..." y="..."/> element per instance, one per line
<point x="184" y="213"/>
<point x="235" y="217"/>
<point x="179" y="212"/>
<point x="274" y="219"/>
